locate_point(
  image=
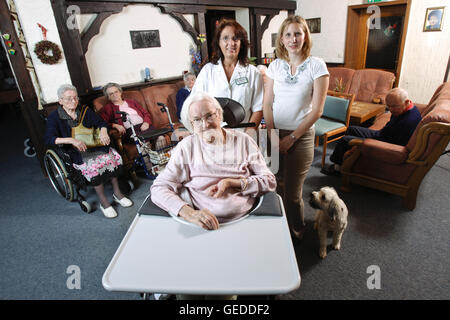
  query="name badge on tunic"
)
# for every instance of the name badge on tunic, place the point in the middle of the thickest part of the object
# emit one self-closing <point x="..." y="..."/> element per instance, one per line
<point x="241" y="81"/>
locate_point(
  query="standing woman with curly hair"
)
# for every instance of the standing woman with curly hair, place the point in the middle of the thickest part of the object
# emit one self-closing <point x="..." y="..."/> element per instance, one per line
<point x="294" y="96"/>
<point x="229" y="74"/>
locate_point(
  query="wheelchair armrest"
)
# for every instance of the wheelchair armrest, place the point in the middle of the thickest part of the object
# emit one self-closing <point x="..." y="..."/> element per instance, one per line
<point x="61" y="151"/>
<point x="270" y="206"/>
<point x="149" y="208"/>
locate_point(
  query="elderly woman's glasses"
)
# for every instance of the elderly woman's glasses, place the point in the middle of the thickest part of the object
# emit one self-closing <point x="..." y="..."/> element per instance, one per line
<point x="112" y="92"/>
<point x="228" y="39"/>
<point x="70" y="99"/>
<point x="210" y="117"/>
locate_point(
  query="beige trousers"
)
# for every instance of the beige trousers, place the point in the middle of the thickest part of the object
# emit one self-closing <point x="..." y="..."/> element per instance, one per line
<point x="294" y="167"/>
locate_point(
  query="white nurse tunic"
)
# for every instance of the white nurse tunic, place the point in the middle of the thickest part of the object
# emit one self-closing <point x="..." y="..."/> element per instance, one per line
<point x="245" y="86"/>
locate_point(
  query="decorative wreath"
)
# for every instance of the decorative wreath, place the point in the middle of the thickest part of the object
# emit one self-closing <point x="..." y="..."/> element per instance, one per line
<point x="42" y="50"/>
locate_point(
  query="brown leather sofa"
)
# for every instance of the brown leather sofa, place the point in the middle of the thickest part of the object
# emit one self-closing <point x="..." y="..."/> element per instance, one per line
<point x="368" y="85"/>
<point x="148" y="98"/>
<point x="400" y="169"/>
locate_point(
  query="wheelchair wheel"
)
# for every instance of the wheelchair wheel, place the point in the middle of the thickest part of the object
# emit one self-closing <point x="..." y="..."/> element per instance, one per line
<point x="131" y="185"/>
<point x="85" y="206"/>
<point x="57" y="174"/>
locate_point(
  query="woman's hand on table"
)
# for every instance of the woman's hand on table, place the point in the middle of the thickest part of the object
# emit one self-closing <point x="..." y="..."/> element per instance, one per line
<point x="203" y="218"/>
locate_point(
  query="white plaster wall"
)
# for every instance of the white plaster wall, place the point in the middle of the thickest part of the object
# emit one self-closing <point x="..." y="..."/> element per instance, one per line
<point x="243" y="18"/>
<point x="274" y="25"/>
<point x="329" y="44"/>
<point x="110" y="56"/>
<point x="50" y="77"/>
<point x="426" y="53"/>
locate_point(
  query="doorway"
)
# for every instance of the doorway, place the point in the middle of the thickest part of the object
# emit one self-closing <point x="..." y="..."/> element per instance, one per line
<point x="212" y="18"/>
<point x="383" y="44"/>
<point x="377" y="43"/>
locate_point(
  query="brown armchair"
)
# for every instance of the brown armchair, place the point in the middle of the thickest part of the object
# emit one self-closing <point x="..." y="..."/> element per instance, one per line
<point x="368" y="85"/>
<point x="340" y="79"/>
<point x="400" y="169"/>
<point x="371" y="85"/>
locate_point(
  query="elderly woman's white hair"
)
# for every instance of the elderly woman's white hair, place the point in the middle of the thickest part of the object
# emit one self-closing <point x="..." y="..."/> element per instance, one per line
<point x="194" y="97"/>
<point x="65" y="87"/>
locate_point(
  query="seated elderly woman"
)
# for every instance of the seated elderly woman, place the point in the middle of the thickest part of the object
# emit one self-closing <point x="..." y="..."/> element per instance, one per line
<point x="183" y="93"/>
<point x="222" y="170"/>
<point x="97" y="164"/>
<point x="137" y="115"/>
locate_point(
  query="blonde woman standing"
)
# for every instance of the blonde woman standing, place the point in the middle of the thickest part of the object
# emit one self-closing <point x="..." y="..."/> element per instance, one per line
<point x="294" y="96"/>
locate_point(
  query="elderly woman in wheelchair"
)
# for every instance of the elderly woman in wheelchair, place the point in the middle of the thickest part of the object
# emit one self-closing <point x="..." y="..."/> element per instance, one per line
<point x="221" y="169"/>
<point x="98" y="164"/>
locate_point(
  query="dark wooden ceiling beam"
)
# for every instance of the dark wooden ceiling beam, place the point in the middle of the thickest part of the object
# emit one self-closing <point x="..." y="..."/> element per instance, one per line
<point x="93" y="30"/>
<point x="177" y="11"/>
<point x="73" y="50"/>
<point x="266" y="22"/>
<point x="184" y="9"/>
<point x="279" y="4"/>
<point x="257" y="29"/>
<point x="98" y="6"/>
<point x="187" y="27"/>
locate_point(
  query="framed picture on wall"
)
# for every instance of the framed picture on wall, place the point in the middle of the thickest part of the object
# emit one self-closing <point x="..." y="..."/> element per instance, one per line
<point x="313" y="25"/>
<point x="274" y="40"/>
<point x="434" y="18"/>
<point x="145" y="39"/>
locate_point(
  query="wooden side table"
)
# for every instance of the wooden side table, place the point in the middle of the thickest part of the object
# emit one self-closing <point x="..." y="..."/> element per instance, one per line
<point x="363" y="111"/>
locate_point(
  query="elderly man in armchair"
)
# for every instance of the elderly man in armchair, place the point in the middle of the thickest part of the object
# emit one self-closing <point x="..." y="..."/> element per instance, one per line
<point x="404" y="119"/>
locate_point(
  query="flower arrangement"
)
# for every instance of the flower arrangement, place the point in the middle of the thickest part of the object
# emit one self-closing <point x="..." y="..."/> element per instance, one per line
<point x="196" y="60"/>
<point x="252" y="60"/>
<point x="340" y="85"/>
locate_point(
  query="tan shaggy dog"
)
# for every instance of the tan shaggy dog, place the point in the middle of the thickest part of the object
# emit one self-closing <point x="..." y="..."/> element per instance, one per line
<point x="331" y="215"/>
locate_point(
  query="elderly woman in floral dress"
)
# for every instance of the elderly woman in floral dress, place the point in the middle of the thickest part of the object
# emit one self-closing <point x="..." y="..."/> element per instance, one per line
<point x="97" y="165"/>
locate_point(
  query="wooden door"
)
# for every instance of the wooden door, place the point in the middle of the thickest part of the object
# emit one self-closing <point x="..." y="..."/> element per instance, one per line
<point x="381" y="46"/>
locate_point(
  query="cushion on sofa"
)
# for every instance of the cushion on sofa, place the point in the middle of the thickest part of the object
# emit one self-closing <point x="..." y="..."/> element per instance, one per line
<point x="165" y="93"/>
<point x="370" y="84"/>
